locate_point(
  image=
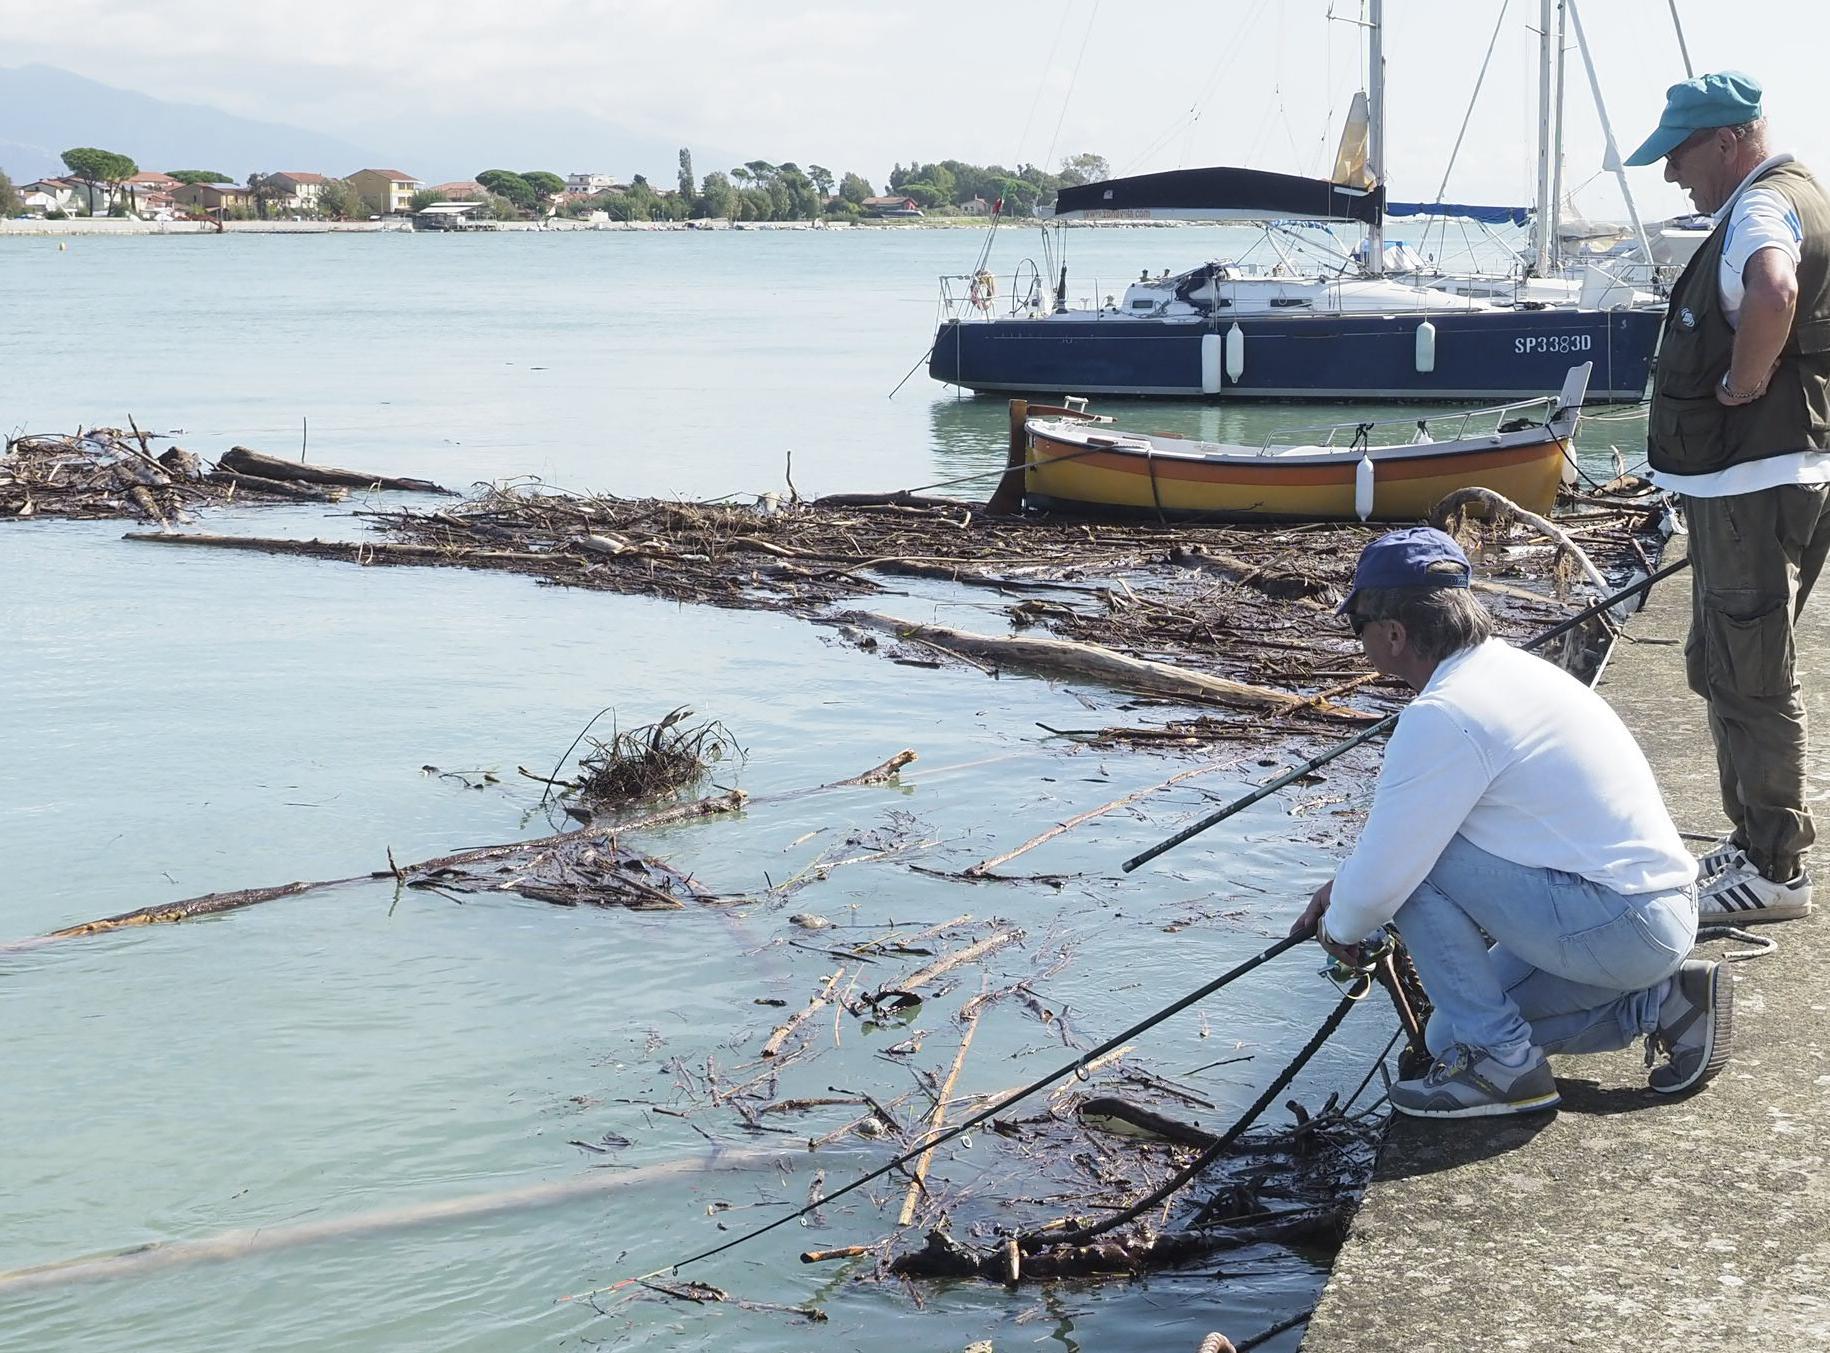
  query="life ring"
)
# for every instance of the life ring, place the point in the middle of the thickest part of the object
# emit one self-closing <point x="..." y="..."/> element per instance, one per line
<point x="984" y="291"/>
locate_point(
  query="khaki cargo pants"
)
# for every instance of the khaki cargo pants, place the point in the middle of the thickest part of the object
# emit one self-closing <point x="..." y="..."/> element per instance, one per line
<point x="1754" y="558"/>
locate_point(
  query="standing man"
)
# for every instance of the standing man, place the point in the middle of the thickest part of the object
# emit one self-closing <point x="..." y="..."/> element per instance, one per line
<point x="1739" y="426"/>
<point x="1515" y="806"/>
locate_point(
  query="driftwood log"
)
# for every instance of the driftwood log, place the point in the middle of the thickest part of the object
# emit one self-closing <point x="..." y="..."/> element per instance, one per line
<point x="1065" y="657"/>
<point x="944" y="1257"/>
<point x="242" y="1243"/>
<point x="240" y="460"/>
<point x="276" y="488"/>
<point x="937" y="1119"/>
<point x="813" y="1007"/>
<point x="210" y="904"/>
<point x="1487" y="504"/>
<point x="347" y="551"/>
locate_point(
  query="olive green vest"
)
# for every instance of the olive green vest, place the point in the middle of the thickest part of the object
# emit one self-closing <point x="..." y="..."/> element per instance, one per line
<point x="1689" y="432"/>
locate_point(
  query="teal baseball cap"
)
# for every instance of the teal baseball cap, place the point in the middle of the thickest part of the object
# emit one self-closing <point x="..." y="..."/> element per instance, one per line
<point x="1724" y="99"/>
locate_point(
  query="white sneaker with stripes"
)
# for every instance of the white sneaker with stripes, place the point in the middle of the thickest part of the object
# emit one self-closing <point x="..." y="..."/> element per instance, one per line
<point x="1741" y="895"/>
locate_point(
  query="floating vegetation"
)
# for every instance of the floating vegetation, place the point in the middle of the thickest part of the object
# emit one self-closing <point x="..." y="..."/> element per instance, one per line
<point x="668" y="756"/>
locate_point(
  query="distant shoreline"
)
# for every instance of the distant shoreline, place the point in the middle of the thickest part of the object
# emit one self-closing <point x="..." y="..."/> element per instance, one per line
<point x="111" y="226"/>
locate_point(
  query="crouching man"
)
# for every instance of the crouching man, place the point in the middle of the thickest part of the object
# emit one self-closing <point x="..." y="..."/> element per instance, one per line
<point x="1515" y="807"/>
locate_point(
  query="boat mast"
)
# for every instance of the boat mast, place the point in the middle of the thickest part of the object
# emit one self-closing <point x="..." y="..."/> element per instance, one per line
<point x="1556" y="167"/>
<point x="1611" y="157"/>
<point x="1541" y="264"/>
<point x="1683" y="47"/>
<point x="1375" y="133"/>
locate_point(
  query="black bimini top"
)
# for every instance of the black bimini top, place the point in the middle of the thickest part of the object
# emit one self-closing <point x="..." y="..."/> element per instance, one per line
<point x="1223" y="195"/>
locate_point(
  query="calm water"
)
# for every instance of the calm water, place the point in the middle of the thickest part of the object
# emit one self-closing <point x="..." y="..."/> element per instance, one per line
<point x="177" y="723"/>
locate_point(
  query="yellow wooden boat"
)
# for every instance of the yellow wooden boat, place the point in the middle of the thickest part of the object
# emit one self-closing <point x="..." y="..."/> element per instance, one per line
<point x="1078" y="463"/>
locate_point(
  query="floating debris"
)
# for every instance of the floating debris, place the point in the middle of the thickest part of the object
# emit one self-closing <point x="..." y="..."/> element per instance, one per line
<point x="1230" y="615"/>
<point x="107" y="472"/>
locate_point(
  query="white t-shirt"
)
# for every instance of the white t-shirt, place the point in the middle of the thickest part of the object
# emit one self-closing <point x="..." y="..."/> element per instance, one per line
<point x="1528" y="764"/>
<point x="1758" y="218"/>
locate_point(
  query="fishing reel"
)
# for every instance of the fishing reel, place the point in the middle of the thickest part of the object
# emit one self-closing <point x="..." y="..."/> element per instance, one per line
<point x="1356" y="979"/>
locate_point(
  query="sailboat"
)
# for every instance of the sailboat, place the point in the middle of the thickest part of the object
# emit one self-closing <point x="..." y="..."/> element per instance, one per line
<point x="1232" y="330"/>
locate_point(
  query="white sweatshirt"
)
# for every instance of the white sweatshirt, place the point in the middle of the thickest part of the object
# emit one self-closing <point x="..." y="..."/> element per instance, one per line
<point x="1528" y="764"/>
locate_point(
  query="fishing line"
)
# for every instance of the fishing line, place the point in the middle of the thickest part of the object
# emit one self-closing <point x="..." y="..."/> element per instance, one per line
<point x="1075" y="1067"/>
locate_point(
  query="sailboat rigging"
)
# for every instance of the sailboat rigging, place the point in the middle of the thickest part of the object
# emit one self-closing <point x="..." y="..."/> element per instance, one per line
<point x="1375" y="328"/>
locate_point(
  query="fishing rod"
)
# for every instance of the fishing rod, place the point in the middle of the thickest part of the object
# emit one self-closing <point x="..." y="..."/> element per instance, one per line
<point x="1384" y="725"/>
<point x="1074" y="1067"/>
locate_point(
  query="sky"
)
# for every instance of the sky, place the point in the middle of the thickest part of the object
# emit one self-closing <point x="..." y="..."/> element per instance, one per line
<point x="1149" y="84"/>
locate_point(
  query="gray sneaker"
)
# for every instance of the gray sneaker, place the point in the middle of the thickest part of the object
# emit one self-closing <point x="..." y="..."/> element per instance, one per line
<point x="1695" y="1028"/>
<point x="1721" y="857"/>
<point x="1468" y="1082"/>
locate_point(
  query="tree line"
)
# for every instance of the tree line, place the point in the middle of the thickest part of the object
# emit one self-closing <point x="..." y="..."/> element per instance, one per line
<point x="756" y="190"/>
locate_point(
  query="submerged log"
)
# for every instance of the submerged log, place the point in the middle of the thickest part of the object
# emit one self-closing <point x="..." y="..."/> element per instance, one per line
<point x="350" y="551"/>
<point x="944" y="1257"/>
<point x="786" y="1031"/>
<point x="937" y="1119"/>
<point x="1112" y="1114"/>
<point x="135" y="1260"/>
<point x="970" y="954"/>
<point x="190" y="908"/>
<point x="1064" y="657"/>
<point x="240" y="460"/>
<point x="275" y="488"/>
<point x="876" y="775"/>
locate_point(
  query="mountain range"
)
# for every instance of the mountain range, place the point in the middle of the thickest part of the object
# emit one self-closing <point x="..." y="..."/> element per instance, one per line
<point x="45" y="111"/>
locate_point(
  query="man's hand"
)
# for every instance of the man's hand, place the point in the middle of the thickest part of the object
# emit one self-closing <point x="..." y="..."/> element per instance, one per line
<point x="1312" y="916"/>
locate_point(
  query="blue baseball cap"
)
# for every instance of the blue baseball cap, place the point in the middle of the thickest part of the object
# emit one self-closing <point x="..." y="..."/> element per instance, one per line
<point x="1725" y="99"/>
<point x="1403" y="558"/>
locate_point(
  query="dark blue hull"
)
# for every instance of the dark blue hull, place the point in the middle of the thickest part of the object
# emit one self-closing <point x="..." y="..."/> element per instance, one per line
<point x="1492" y="356"/>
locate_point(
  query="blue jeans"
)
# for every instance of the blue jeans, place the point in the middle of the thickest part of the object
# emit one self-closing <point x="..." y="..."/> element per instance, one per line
<point x="1574" y="966"/>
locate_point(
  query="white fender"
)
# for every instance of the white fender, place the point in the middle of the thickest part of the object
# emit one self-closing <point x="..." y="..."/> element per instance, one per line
<point x="1426" y="346"/>
<point x="1210" y="364"/>
<point x="1567" y="470"/>
<point x="1235" y="353"/>
<point x="1363" y="487"/>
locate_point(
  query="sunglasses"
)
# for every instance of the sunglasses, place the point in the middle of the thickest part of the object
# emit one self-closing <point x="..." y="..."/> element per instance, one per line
<point x="1358" y="623"/>
<point x="1691" y="142"/>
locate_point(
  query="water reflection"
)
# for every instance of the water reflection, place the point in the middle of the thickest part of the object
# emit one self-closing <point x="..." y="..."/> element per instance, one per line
<point x="970" y="435"/>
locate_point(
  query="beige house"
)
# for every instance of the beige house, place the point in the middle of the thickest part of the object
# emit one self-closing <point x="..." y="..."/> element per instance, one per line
<point x="387" y="191"/>
<point x="143" y="187"/>
<point x="302" y="189"/>
<point x="458" y="190"/>
<point x="212" y="196"/>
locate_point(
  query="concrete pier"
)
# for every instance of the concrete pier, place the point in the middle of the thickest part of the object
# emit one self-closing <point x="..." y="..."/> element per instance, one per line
<point x="1628" y="1220"/>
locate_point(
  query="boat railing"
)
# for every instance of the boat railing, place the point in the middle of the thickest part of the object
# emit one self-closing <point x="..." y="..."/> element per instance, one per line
<point x="1018" y="295"/>
<point x="1447" y="427"/>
